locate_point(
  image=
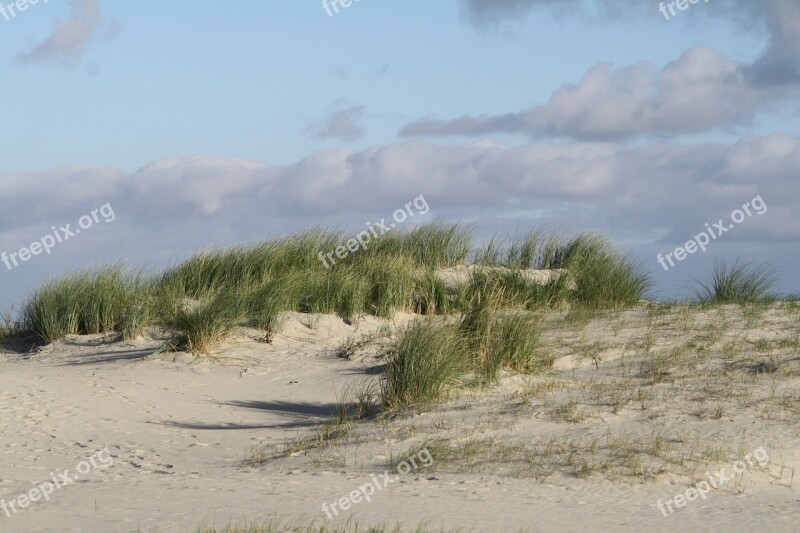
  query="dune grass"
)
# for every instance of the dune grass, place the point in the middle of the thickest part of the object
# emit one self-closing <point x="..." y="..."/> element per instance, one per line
<point x="498" y="337"/>
<point x="436" y="355"/>
<point x="605" y="278"/>
<point x="278" y="275"/>
<point x="436" y="245"/>
<point x="264" y="304"/>
<point x="89" y="302"/>
<point x="428" y="359"/>
<point x="738" y="283"/>
<point x="205" y="325"/>
<point x="395" y="272"/>
<point x="430" y="294"/>
<point x="9" y="326"/>
<point x="600" y="276"/>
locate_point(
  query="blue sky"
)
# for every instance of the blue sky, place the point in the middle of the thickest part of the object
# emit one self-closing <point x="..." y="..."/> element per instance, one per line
<point x="211" y="124"/>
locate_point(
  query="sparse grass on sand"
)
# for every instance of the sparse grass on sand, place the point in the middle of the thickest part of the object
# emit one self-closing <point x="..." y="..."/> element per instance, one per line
<point x="9" y="327"/>
<point x="681" y="388"/>
<point x="275" y="526"/>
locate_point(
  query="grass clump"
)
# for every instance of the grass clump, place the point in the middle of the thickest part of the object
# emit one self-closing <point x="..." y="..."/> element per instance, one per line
<point x="605" y="278"/>
<point x="517" y="343"/>
<point x="265" y="304"/>
<point x="342" y="291"/>
<point x="206" y="324"/>
<point x="392" y="284"/>
<point x="739" y="283"/>
<point x="52" y="311"/>
<point x="498" y="338"/>
<point x="436" y="245"/>
<point x="430" y="294"/>
<point x="89" y="302"/>
<point x="136" y="312"/>
<point x="428" y="359"/>
<point x="9" y="326"/>
<point x="435" y="355"/>
<point x="596" y="274"/>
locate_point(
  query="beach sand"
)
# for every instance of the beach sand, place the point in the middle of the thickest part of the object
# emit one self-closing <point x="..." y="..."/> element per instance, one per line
<point x="639" y="404"/>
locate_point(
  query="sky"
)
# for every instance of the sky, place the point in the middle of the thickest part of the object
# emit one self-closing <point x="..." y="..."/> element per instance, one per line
<point x="160" y="128"/>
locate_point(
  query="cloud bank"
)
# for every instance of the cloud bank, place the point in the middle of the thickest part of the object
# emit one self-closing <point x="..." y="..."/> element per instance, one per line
<point x="661" y="190"/>
<point x="701" y="91"/>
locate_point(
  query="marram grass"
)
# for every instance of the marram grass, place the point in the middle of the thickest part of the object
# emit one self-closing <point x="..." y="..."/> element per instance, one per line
<point x="738" y="283"/>
<point x="203" y="298"/>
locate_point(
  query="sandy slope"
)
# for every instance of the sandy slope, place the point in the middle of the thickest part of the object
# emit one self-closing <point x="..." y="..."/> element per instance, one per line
<point x="179" y="430"/>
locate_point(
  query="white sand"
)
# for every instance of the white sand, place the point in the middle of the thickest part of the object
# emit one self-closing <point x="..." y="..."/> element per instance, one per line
<point x="456" y="276"/>
<point x="179" y="429"/>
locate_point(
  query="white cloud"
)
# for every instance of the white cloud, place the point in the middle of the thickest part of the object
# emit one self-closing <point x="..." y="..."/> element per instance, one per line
<point x="65" y="46"/>
<point x="700" y="91"/>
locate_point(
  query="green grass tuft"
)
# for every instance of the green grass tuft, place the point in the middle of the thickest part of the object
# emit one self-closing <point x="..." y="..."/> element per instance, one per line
<point x="206" y="324"/>
<point x="102" y="301"/>
<point x="428" y="359"/>
<point x="739" y="283"/>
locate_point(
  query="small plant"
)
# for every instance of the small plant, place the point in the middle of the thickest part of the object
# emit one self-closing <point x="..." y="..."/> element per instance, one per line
<point x="517" y="343"/>
<point x="9" y="327"/>
<point x="739" y="283"/>
<point x="52" y="311"/>
<point x="391" y="282"/>
<point x="478" y="328"/>
<point x="358" y="400"/>
<point x="258" y="455"/>
<point x="341" y="290"/>
<point x="433" y="356"/>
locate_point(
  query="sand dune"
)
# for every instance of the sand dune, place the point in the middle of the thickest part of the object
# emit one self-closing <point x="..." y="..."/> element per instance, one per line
<point x="184" y="431"/>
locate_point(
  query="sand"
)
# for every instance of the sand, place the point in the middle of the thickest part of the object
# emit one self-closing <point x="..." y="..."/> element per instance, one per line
<point x="182" y="430"/>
